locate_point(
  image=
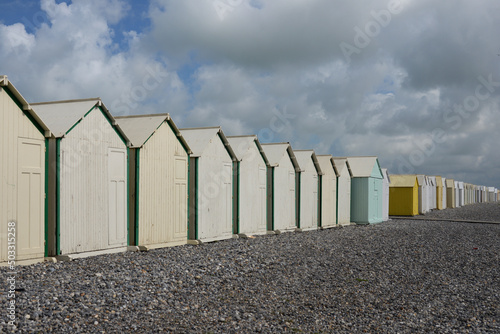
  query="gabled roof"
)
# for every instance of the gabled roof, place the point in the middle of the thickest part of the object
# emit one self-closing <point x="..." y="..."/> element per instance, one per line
<point x="432" y="180"/>
<point x="241" y="144"/>
<point x="363" y="166"/>
<point x="422" y="179"/>
<point x="341" y="164"/>
<point x="385" y="173"/>
<point x="304" y="156"/>
<point x="326" y="161"/>
<point x="24" y="105"/>
<point x="403" y="180"/>
<point x="62" y="116"/>
<point x="198" y="140"/>
<point x="450" y="183"/>
<point x="276" y="151"/>
<point x="139" y="128"/>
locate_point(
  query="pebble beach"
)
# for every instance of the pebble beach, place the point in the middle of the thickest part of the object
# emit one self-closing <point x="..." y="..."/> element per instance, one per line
<point x="400" y="276"/>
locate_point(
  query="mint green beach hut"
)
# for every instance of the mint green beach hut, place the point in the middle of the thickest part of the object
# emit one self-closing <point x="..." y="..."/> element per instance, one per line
<point x="366" y="190"/>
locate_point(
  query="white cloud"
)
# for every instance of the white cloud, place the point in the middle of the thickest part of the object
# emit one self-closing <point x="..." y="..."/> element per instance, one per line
<point x="275" y="68"/>
<point x="74" y="56"/>
<point x="15" y="40"/>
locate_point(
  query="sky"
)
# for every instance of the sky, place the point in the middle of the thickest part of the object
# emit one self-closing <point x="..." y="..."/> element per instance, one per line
<point x="414" y="82"/>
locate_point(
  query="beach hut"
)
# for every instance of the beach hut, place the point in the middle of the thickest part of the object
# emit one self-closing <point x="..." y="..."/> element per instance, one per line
<point x="328" y="195"/>
<point x="366" y="190"/>
<point x="403" y="195"/>
<point x="158" y="191"/>
<point x="343" y="190"/>
<point x="450" y="193"/>
<point x="491" y="194"/>
<point x="281" y="185"/>
<point x="484" y="194"/>
<point x="432" y="192"/>
<point x="250" y="186"/>
<point x="444" y="197"/>
<point x="210" y="185"/>
<point x="308" y="192"/>
<point x="423" y="194"/>
<point x="439" y="192"/>
<point x="87" y="179"/>
<point x="466" y="194"/>
<point x="469" y="193"/>
<point x="385" y="190"/>
<point x="472" y="193"/>
<point x="23" y="178"/>
<point x="461" y="189"/>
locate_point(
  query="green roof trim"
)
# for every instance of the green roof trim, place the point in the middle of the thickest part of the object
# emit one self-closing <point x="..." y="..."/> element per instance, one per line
<point x="58" y="196"/>
<point x="137" y="173"/>
<point x="46" y="229"/>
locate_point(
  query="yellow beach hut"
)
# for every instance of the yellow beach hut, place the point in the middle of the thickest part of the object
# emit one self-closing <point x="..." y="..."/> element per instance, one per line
<point x="403" y="195"/>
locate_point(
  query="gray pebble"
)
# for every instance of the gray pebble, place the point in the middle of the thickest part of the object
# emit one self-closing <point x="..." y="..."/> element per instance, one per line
<point x="402" y="276"/>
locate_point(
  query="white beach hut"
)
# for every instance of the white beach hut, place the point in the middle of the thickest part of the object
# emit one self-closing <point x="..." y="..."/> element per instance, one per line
<point x="423" y="194"/>
<point x="484" y="193"/>
<point x="210" y="185"/>
<point x="385" y="197"/>
<point x="158" y="177"/>
<point x="87" y="179"/>
<point x="281" y="185"/>
<point x="328" y="192"/>
<point x="461" y="190"/>
<point x="458" y="194"/>
<point x="23" y="178"/>
<point x="308" y="192"/>
<point x="432" y="192"/>
<point x="343" y="190"/>
<point x="250" y="186"/>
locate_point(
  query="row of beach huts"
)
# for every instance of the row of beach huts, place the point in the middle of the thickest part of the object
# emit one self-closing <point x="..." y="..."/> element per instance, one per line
<point x="76" y="181"/>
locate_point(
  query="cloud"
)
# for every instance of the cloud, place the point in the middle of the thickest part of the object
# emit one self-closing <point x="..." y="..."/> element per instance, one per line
<point x="408" y="91"/>
<point x="73" y="55"/>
